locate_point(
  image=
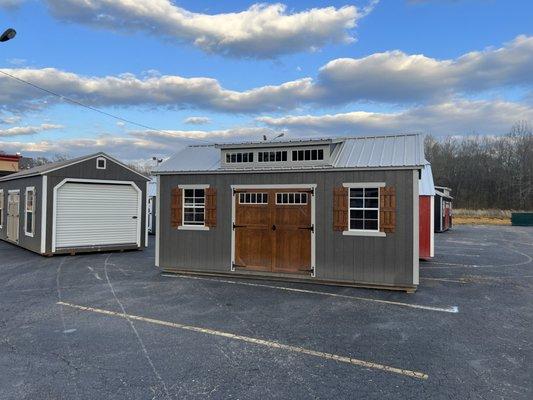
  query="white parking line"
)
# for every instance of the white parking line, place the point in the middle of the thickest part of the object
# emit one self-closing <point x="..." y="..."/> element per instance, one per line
<point x="451" y="309"/>
<point x="267" y="343"/>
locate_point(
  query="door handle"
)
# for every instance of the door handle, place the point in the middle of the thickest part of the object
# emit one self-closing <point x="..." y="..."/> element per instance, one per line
<point x="273" y="227"/>
<point x="135" y="217"/>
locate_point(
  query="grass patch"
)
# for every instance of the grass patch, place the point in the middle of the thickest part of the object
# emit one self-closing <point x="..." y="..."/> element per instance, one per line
<point x="463" y="216"/>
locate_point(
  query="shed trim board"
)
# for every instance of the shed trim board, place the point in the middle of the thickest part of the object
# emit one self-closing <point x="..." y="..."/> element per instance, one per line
<point x="157" y="221"/>
<point x="432" y="227"/>
<point x="44" y="212"/>
<point x="97" y="181"/>
<point x="146" y="216"/>
<point x="311" y="186"/>
<point x="273" y="170"/>
<point x="416" y="246"/>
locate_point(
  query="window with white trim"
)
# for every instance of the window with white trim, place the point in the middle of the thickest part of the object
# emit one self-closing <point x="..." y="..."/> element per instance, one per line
<point x="194" y="207"/>
<point x="101" y="163"/>
<point x="272" y="156"/>
<point x="363" y="209"/>
<point x="308" y="155"/>
<point x="253" y="198"/>
<point x="1" y="208"/>
<point x="291" y="198"/>
<point x="29" y="211"/>
<point x="232" y="158"/>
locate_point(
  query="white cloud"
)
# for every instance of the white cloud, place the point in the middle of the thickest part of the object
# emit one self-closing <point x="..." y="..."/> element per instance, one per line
<point x="197" y="120"/>
<point x="9" y="120"/>
<point x="261" y="31"/>
<point x="27" y="130"/>
<point x="393" y="77"/>
<point x="449" y="118"/>
<point x="123" y="148"/>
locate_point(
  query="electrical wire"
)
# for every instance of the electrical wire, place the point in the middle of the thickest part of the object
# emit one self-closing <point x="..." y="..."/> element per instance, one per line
<point x="76" y="102"/>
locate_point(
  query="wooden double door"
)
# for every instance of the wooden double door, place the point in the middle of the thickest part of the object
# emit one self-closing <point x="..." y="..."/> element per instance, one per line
<point x="273" y="230"/>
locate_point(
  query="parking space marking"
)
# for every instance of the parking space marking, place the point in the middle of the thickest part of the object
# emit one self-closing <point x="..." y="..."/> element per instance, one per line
<point x="262" y="342"/>
<point x="450" y="309"/>
<point x="443" y="280"/>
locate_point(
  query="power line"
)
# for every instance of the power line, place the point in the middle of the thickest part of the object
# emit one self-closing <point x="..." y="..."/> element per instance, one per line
<point x="68" y="99"/>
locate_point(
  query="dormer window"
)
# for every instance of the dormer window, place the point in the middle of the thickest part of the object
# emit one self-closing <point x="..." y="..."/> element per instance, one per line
<point x="101" y="163"/>
<point x="232" y="158"/>
<point x="308" y="155"/>
<point x="272" y="156"/>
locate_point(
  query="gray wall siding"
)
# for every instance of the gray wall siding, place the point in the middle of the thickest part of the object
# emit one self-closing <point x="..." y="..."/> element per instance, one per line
<point x="372" y="260"/>
<point x="28" y="242"/>
<point x="87" y="170"/>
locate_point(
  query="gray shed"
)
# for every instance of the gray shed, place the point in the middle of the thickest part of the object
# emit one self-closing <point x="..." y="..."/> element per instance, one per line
<point x="91" y="203"/>
<point x="334" y="210"/>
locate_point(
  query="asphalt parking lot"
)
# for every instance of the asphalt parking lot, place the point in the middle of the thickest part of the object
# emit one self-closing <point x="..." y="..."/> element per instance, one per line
<point x="111" y="326"/>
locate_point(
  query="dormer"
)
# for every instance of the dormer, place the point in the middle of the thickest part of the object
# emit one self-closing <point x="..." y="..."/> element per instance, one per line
<point x="277" y="154"/>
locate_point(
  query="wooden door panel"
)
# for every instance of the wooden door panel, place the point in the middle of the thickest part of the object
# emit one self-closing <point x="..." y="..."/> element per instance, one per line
<point x="293" y="251"/>
<point x="253" y="248"/>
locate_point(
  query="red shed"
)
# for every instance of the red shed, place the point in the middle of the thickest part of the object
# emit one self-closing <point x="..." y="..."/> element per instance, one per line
<point x="426" y="205"/>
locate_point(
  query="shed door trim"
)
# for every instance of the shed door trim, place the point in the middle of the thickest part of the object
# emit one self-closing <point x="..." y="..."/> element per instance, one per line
<point x="104" y="181"/>
<point x="311" y="186"/>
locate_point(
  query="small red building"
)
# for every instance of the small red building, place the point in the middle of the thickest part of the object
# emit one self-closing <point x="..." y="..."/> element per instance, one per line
<point x="426" y="220"/>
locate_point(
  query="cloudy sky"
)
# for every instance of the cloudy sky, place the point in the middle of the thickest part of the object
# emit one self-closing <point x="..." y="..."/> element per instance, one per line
<point x="212" y="71"/>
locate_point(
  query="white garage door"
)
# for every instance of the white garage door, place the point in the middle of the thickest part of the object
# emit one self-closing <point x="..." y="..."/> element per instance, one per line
<point x="89" y="214"/>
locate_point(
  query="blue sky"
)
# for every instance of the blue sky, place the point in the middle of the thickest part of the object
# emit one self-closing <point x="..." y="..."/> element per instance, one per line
<point x="308" y="68"/>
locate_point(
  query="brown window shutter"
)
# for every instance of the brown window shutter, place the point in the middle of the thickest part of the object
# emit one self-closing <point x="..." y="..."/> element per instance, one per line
<point x="387" y="209"/>
<point x="176" y="204"/>
<point x="211" y="207"/>
<point x="340" y="208"/>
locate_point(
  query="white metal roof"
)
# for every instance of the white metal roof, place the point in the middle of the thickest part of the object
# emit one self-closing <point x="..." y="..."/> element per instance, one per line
<point x="351" y="152"/>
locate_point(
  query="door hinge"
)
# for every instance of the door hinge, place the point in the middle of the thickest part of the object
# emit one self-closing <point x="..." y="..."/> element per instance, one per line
<point x="309" y="228"/>
<point x="311" y="270"/>
<point x="233" y="265"/>
<point x="238" y="226"/>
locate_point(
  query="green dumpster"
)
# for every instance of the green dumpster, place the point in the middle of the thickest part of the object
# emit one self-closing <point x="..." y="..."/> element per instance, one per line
<point x="522" y="218"/>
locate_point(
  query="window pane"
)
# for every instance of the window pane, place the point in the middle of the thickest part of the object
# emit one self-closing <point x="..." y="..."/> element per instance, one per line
<point x="189" y="193"/>
<point x="356" y="214"/>
<point x="272" y="156"/>
<point x="278" y="155"/>
<point x="278" y="198"/>
<point x="241" y="198"/>
<point x="228" y="158"/>
<point x="307" y="155"/>
<point x="199" y="192"/>
<point x="371" y="203"/>
<point x="371" y="214"/>
<point x="251" y="157"/>
<point x="245" y="157"/>
<point x="29" y="222"/>
<point x="283" y="156"/>
<point x="294" y="155"/>
<point x="320" y="154"/>
<point x="371" y="224"/>
<point x="291" y="198"/>
<point x="356" y="203"/>
<point x="199" y="217"/>
<point x="371" y="192"/>
<point x="265" y="198"/>
<point x="248" y="197"/>
<point x="297" y="198"/>
<point x="314" y="154"/>
<point x="356" y="192"/>
<point x="253" y="197"/>
<point x="356" y="224"/>
<point x="300" y="155"/>
<point x="285" y="198"/>
<point x="260" y="155"/>
<point x="304" y="198"/>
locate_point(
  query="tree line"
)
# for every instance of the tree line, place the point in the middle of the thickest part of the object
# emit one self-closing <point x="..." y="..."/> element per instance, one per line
<point x="485" y="172"/>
